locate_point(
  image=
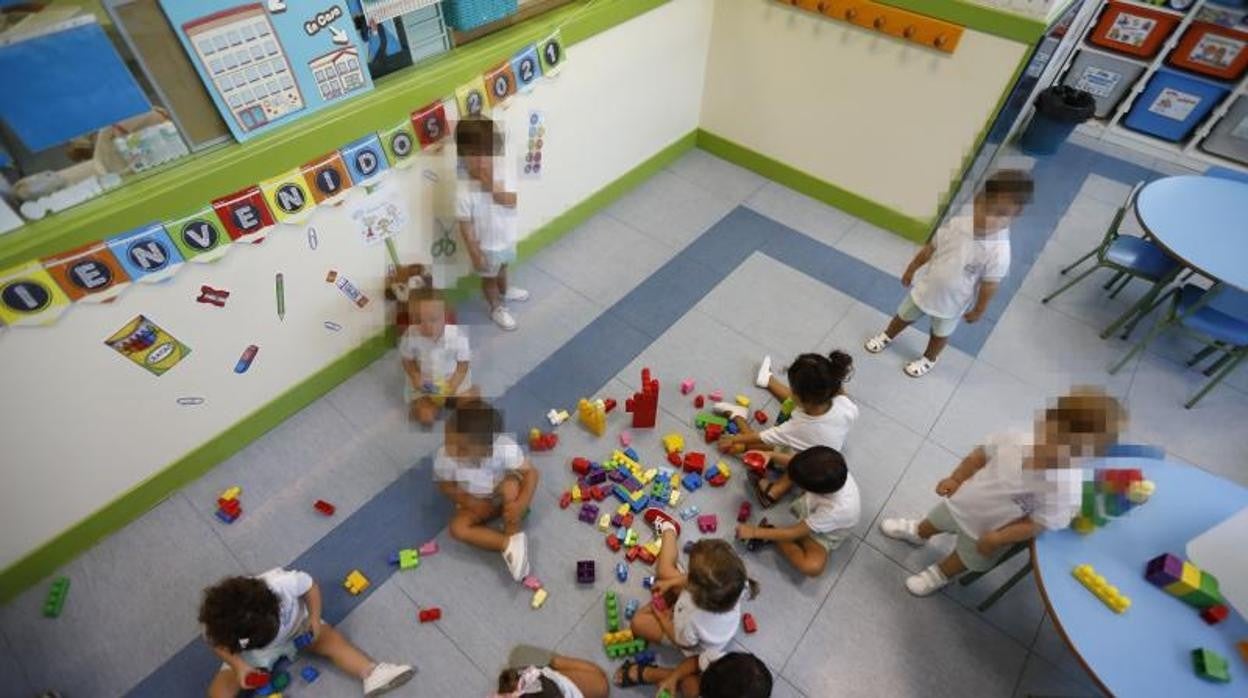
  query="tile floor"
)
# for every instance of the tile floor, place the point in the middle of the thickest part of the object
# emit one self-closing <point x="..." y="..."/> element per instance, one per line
<point x="697" y="272"/>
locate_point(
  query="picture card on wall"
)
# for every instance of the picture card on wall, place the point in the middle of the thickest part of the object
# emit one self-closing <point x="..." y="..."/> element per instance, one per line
<point x="400" y="143"/>
<point x="430" y="124"/>
<point x="268" y="63"/>
<point x="527" y="68"/>
<point x="147" y="345"/>
<point x="471" y="99"/>
<point x="244" y="214"/>
<point x="366" y="160"/>
<point x="89" y="274"/>
<point x="29" y="296"/>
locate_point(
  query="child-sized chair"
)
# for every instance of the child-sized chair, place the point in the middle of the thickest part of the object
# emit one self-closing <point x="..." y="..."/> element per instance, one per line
<point x="1131" y="258"/>
<point x="1217" y="316"/>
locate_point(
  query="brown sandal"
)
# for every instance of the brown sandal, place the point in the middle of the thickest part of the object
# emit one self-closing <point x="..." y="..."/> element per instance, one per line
<point x="762" y="491"/>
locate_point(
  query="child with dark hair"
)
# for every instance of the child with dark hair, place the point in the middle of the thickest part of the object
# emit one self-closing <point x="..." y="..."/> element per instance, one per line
<point x="252" y="622"/>
<point x="536" y="673"/>
<point x="823" y="415"/>
<point x="734" y="675"/>
<point x="436" y="357"/>
<point x="826" y="514"/>
<point x="965" y="261"/>
<point x="700" y="610"/>
<point x="487" y="476"/>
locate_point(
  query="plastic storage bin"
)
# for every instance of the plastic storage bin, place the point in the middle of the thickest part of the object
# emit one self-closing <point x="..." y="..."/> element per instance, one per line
<point x="1212" y="50"/>
<point x="1132" y="29"/>
<point x="1172" y="104"/>
<point x="470" y="14"/>
<point x="1230" y="137"/>
<point x="1106" y="78"/>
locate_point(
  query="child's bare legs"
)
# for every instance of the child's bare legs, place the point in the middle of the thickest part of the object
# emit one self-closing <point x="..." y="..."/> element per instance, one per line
<point x="805" y="554"/>
<point x="690" y="686"/>
<point x="492" y="290"/>
<point x="951" y="565"/>
<point x="501" y="280"/>
<point x="586" y="675"/>
<point x="645" y="623"/>
<point x="935" y="345"/>
<point x="468" y="525"/>
<point x="895" y="326"/>
<point x="515" y="503"/>
<point x="224" y="685"/>
<point x="335" y="647"/>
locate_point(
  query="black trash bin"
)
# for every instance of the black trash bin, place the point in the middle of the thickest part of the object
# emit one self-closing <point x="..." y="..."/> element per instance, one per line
<point x="1059" y="109"/>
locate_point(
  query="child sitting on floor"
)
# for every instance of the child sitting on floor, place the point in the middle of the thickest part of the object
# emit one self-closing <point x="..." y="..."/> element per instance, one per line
<point x="436" y="357"/>
<point x="251" y="622"/>
<point x="734" y="675"/>
<point x="486" y="475"/>
<point x="539" y="673"/>
<point x="823" y="416"/>
<point x="698" y="611"/>
<point x="826" y="513"/>
<point x="1011" y="488"/>
<point x="965" y="261"/>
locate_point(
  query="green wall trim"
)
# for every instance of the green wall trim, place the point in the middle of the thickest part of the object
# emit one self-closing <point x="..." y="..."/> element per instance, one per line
<point x="988" y="20"/>
<point x="137" y="501"/>
<point x="187" y="184"/>
<point x="876" y="213"/>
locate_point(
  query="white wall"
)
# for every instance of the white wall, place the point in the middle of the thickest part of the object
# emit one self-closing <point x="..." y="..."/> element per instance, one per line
<point x="877" y="116"/>
<point x="81" y="424"/>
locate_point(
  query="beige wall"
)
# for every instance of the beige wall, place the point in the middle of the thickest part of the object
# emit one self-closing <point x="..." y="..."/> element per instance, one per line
<point x="883" y="119"/>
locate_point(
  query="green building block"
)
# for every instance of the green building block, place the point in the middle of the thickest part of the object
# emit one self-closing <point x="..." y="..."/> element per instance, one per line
<point x="705" y="418"/>
<point x="56" y="597"/>
<point x="1207" y="595"/>
<point x="408" y="559"/>
<point x="1210" y="665"/>
<point x="613" y="612"/>
<point x="280" y="681"/>
<point x="664" y="694"/>
<point x="625" y="649"/>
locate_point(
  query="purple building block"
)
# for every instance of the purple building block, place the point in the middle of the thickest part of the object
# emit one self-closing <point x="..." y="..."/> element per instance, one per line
<point x="585" y="571"/>
<point x="616" y="476"/>
<point x="1163" y="570"/>
<point x="596" y="477"/>
<point x="589" y="513"/>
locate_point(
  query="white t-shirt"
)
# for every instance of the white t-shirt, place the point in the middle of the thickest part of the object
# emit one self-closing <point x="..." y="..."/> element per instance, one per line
<point x="802" y="431"/>
<point x="494" y="225"/>
<point x="480" y="477"/>
<point x="1004" y="491"/>
<point x="438" y="356"/>
<point x="708" y="633"/>
<point x="289" y="585"/>
<point x="946" y="286"/>
<point x="834" y="512"/>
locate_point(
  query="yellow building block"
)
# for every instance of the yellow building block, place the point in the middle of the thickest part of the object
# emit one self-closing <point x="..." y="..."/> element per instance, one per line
<point x="1188" y="582"/>
<point x="623" y="509"/>
<point x="673" y="497"/>
<point x="1083" y="524"/>
<point x="355" y="582"/>
<point x="654" y="546"/>
<point x="617" y="637"/>
<point x="232" y="493"/>
<point x="673" y="443"/>
<point x="743" y="401"/>
<point x="1140" y="491"/>
<point x="1103" y="590"/>
<point x="649" y="475"/>
<point x="539" y="598"/>
<point x="576" y="493"/>
<point x="604" y="522"/>
<point x="593" y="416"/>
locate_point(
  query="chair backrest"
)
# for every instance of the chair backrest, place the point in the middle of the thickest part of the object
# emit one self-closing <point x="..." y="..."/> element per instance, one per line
<point x="1227" y="173"/>
<point x="1231" y="301"/>
<point x="1127" y="207"/>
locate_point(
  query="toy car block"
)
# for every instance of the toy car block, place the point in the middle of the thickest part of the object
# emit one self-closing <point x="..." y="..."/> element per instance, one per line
<point x="1214" y="614"/>
<point x="718" y="481"/>
<point x="715" y="395"/>
<point x="673" y="442"/>
<point x="55" y="600"/>
<point x="630" y="608"/>
<point x="743" y="512"/>
<point x="648" y="582"/>
<point x="580" y="465"/>
<point x="324" y="507"/>
<point x="593" y="416"/>
<point x="1210" y="665"/>
<point x="632" y="553"/>
<point x="688" y="512"/>
<point x="691" y="482"/>
<point x="565" y="499"/>
<point x="539" y="598"/>
<point x="645" y="555"/>
<point x="408" y="559"/>
<point x="673" y="498"/>
<point x="626" y="438"/>
<point x="608" y="404"/>
<point x="686" y="386"/>
<point x="760" y="416"/>
<point x="743" y="401"/>
<point x="577" y="494"/>
<point x="309" y="674"/>
<point x="1095" y="583"/>
<point x="532" y="582"/>
<point x="303" y="640"/>
<point x="712" y="433"/>
<point x="621" y="533"/>
<point x="428" y="615"/>
<point x="256" y="679"/>
<point x="708" y="523"/>
<point x="748" y="622"/>
<point x="706" y="419"/>
<point x="644" y="403"/>
<point x="585" y="571"/>
<point x="355" y="582"/>
<point x="694" y="462"/>
<point x="614" y="544"/>
<point x="699" y="402"/>
<point x="588" y="513"/>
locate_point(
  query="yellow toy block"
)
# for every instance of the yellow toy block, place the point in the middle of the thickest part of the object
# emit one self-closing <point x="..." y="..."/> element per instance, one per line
<point x="630" y="538"/>
<point x="539" y="598"/>
<point x="1083" y="524"/>
<point x="355" y="582"/>
<point x="1140" y="491"/>
<point x="649" y="475"/>
<point x="673" y="497"/>
<point x="1103" y="590"/>
<point x="623" y="509"/>
<point x="743" y="401"/>
<point x="576" y="493"/>
<point x="673" y="443"/>
<point x="1188" y="582"/>
<point x="617" y="637"/>
<point x="654" y="546"/>
<point x="593" y="416"/>
<point x="604" y="522"/>
<point x="636" y="496"/>
<point x="232" y="493"/>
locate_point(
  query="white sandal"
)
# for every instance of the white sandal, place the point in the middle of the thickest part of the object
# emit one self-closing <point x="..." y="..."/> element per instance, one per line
<point x="927" y="582"/>
<point x="919" y="367"/>
<point x="878" y="343"/>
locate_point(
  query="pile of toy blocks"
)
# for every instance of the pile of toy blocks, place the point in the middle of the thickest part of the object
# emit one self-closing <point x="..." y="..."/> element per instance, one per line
<point x="622" y="644"/>
<point x="228" y="506"/>
<point x="1185" y="581"/>
<point x="1110" y="492"/>
<point x="542" y="442"/>
<point x="713" y="426"/>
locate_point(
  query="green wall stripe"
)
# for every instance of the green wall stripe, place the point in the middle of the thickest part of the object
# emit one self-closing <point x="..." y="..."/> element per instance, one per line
<point x="878" y="214"/>
<point x="189" y="183"/>
<point x="44" y="560"/>
<point x="988" y="20"/>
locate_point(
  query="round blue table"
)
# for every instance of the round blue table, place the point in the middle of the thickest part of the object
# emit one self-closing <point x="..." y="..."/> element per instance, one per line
<point x="1200" y="221"/>
<point x="1146" y="651"/>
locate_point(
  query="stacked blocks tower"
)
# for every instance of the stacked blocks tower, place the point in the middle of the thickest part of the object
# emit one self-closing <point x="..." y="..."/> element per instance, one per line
<point x="1184" y="580"/>
<point x="612" y="607"/>
<point x="1102" y="589"/>
<point x="228" y="506"/>
<point x="1112" y="492"/>
<point x="56" y="597"/>
<point x="593" y="416"/>
<point x="644" y="404"/>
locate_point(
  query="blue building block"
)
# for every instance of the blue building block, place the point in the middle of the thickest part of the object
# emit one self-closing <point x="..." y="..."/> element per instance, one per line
<point x="639" y="503"/>
<point x="689" y="512"/>
<point x="691" y="482"/>
<point x="732" y="428"/>
<point x="621" y="494"/>
<point x="621" y="571"/>
<point x="310" y="674"/>
<point x="303" y="641"/>
<point x="647" y="582"/>
<point x="617" y="475"/>
<point x="631" y="453"/>
<point x="630" y="608"/>
<point x="644" y="658"/>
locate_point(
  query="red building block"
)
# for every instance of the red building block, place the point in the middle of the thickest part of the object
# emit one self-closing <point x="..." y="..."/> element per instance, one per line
<point x="644" y="555"/>
<point x="613" y="543"/>
<point x="429" y="615"/>
<point x="699" y="402"/>
<point x="751" y="626"/>
<point x="743" y="513"/>
<point x="760" y="417"/>
<point x="324" y="507"/>
<point x="713" y="432"/>
<point x="256" y="679"/>
<point x="608" y="404"/>
<point x="632" y="553"/>
<point x="695" y="462"/>
<point x="674" y="458"/>
<point x="644" y="404"/>
<point x="565" y="500"/>
<point x="1214" y="614"/>
<point x="580" y="466"/>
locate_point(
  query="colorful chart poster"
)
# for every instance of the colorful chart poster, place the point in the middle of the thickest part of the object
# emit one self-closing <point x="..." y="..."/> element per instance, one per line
<point x="29" y="296"/>
<point x="146" y="344"/>
<point x="266" y="64"/>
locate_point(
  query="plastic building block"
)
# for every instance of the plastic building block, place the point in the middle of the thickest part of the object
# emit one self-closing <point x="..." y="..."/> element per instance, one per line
<point x="618" y="636"/>
<point x="626" y="438"/>
<point x="658" y="602"/>
<point x="630" y="539"/>
<point x="596" y="477"/>
<point x="541" y="442"/>
<point x="55" y="600"/>
<point x="309" y="674"/>
<point x="632" y="553"/>
<point x="743" y="512"/>
<point x="708" y="523"/>
<point x="604" y="523"/>
<point x="674" y="458"/>
<point x="428" y="615"/>
<point x="688" y="513"/>
<point x="621" y="571"/>
<point x="408" y="559"/>
<point x="1210" y="665"/>
<point x="654" y="546"/>
<point x="640" y="502"/>
<point x="1242" y="646"/>
<point x="648" y="582"/>
<point x="645" y="555"/>
<point x="585" y="571"/>
<point x="704" y="419"/>
<point x="691" y="482"/>
<point x="532" y="582"/>
<point x="748" y="622"/>
<point x="1096" y="584"/>
<point x="1183" y="580"/>
<point x="231" y="492"/>
<point x="614" y="543"/>
<point x="630" y="608"/>
<point x="228" y="506"/>
<point x="589" y="513"/>
<point x="539" y="598"/>
<point x="645" y="658"/>
<point x="580" y="465"/>
<point x="608" y="404"/>
<point x="303" y="640"/>
<point x="593" y="416"/>
<point x="256" y="679"/>
<point x="664" y="693"/>
<point x="694" y="462"/>
<point x="557" y="417"/>
<point x="673" y="443"/>
<point x="611" y="605"/>
<point x="565" y="500"/>
<point x="715" y="395"/>
<point x="755" y="461"/>
<point x="280" y="681"/>
<point x="324" y="507"/>
<point x="644" y="404"/>
<point x="699" y="402"/>
<point x="743" y="401"/>
<point x="686" y="386"/>
<point x="673" y="498"/>
<point x="1215" y="614"/>
<point x="577" y="495"/>
<point x="631" y="454"/>
<point x="355" y="582"/>
<point x="430" y="548"/>
<point x="713" y="432"/>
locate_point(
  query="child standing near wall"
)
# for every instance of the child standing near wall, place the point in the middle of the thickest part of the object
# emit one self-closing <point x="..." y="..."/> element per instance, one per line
<point x="485" y="205"/>
<point x="486" y="475"/>
<point x="964" y="263"/>
<point x="1011" y="488"/>
<point x="436" y="357"/>
<point x="251" y="622"/>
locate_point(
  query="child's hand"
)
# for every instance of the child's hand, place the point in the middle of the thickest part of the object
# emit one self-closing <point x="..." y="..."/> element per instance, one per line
<point x="315" y="624"/>
<point x="728" y="444"/>
<point x="907" y="278"/>
<point x="662" y="586"/>
<point x="666" y="687"/>
<point x="973" y="315"/>
<point x="947" y="487"/>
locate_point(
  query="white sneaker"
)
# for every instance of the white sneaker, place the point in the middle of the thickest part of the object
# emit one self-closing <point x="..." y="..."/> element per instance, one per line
<point x="502" y="317"/>
<point x="515" y="293"/>
<point x="919" y="367"/>
<point x="902" y="529"/>
<point x="878" y="343"/>
<point x="729" y="409"/>
<point x="387" y="677"/>
<point x="517" y="556"/>
<point x="763" y="379"/>
<point x="927" y="582"/>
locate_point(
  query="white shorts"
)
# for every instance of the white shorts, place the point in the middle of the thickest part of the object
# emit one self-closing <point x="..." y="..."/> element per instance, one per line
<point x="910" y="311"/>
<point x="495" y="260"/>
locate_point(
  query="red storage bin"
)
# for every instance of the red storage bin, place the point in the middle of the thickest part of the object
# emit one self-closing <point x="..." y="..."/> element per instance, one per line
<point x="1212" y="50"/>
<point x="1129" y="28"/>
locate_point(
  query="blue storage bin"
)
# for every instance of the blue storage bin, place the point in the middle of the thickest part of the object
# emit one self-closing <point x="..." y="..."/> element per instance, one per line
<point x="1172" y="105"/>
<point x="470" y="14"/>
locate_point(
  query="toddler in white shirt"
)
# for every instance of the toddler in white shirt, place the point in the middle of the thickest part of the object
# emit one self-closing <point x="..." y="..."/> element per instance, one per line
<point x="436" y="357"/>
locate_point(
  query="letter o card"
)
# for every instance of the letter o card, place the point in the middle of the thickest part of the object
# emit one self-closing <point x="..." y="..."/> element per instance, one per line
<point x="90" y="274"/>
<point x="327" y="178"/>
<point x="430" y="124"/>
<point x="527" y="68"/>
<point x="400" y="143"/>
<point x="29" y="296"/>
<point x="287" y="196"/>
<point x="244" y="214"/>
<point x="500" y="83"/>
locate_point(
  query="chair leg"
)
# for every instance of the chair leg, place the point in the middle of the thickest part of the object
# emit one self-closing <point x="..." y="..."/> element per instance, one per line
<point x="1112" y="280"/>
<point x="1079" y="261"/>
<point x="1082" y="275"/>
<point x="1125" y="280"/>
<point x="1216" y="365"/>
<point x="1238" y="355"/>
<point x="1129" y="328"/>
<point x="1139" y="309"/>
<point x="1202" y="355"/>
<point x="1160" y="325"/>
<point x="995" y="596"/>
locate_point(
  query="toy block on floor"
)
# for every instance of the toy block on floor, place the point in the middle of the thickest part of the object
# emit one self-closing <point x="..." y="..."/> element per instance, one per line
<point x="355" y="582"/>
<point x="593" y="416"/>
<point x="644" y="554"/>
<point x="408" y="559"/>
<point x="428" y="615"/>
<point x="585" y="571"/>
<point x="1183" y="580"/>
<point x="617" y="636"/>
<point x="674" y="458"/>
<point x="532" y="582"/>
<point x="539" y="598"/>
<point x="303" y="640"/>
<point x="625" y="439"/>
<point x="588" y="513"/>
<point x="694" y="462"/>
<point x="324" y="507"/>
<point x="55" y="601"/>
<point x="614" y="544"/>
<point x="705" y="419"/>
<point x="673" y="498"/>
<point x="565" y="500"/>
<point x="539" y="442"/>
<point x="715" y="395"/>
<point x="557" y="417"/>
<point x="604" y="523"/>
<point x="1210" y="665"/>
<point x="309" y="674"/>
<point x="743" y="512"/>
<point x="648" y="582"/>
<point x="743" y="401"/>
<point x="612" y="607"/>
<point x="748" y="622"/>
<point x="632" y="553"/>
<point x="691" y="482"/>
<point x="580" y="465"/>
<point x="1103" y="590"/>
<point x="608" y="404"/>
<point x="708" y="523"/>
<point x="686" y="386"/>
<point x="625" y="649"/>
<point x="644" y="403"/>
<point x="621" y="572"/>
<point x="699" y="402"/>
<point x="1214" y="614"/>
<point x="688" y="513"/>
<point x="630" y="608"/>
<point x="630" y="538"/>
<point x="712" y="433"/>
<point x="596" y="477"/>
<point x="673" y="443"/>
<point x="732" y="428"/>
<point x="256" y="679"/>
